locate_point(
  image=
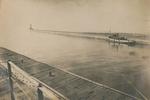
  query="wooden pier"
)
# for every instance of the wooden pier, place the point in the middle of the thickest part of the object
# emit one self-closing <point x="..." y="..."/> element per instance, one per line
<point x="67" y="84"/>
<point x="21" y="91"/>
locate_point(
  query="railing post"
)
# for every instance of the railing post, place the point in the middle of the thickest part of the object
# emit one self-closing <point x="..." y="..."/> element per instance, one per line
<point x="40" y="93"/>
<point x="10" y="81"/>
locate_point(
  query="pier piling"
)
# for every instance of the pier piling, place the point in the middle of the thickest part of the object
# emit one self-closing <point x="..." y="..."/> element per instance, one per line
<point x="10" y="81"/>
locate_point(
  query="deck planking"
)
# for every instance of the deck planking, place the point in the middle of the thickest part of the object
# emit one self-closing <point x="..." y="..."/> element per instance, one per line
<point x="69" y="85"/>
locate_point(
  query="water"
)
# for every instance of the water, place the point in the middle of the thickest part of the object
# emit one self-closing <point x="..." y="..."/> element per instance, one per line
<point x="121" y="67"/>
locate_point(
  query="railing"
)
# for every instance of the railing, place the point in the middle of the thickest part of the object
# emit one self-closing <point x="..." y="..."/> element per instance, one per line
<point x="42" y="90"/>
<point x="14" y="72"/>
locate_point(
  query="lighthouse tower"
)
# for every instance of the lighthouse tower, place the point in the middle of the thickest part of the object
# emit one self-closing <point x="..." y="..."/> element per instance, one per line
<point x="31" y="28"/>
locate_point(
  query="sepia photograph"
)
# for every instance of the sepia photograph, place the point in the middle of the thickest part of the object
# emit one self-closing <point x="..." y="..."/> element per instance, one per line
<point x="74" y="49"/>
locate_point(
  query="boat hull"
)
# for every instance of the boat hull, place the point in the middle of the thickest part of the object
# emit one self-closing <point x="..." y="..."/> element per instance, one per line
<point x="121" y="41"/>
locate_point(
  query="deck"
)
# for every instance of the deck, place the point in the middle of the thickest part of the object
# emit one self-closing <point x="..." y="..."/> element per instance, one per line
<point x="70" y="85"/>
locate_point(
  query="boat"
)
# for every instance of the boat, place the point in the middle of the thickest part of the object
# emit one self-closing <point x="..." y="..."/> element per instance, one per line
<point x="116" y="38"/>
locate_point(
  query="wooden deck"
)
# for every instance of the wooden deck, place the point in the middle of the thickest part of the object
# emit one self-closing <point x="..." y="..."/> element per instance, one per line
<point x="68" y="84"/>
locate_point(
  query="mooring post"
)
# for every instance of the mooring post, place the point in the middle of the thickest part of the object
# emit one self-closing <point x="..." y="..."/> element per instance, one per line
<point x="10" y="81"/>
<point x="40" y="93"/>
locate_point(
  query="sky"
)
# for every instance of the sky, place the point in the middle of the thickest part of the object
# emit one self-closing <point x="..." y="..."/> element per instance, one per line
<point x="76" y="15"/>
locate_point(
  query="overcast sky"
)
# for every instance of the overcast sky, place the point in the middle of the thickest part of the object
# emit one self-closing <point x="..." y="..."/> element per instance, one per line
<point x="76" y="15"/>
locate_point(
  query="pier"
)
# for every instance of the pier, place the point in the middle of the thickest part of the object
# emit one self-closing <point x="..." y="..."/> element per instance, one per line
<point x="138" y="38"/>
<point x="55" y="83"/>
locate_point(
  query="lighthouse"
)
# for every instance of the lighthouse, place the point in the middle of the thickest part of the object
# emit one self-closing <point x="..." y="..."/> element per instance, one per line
<point x="31" y="27"/>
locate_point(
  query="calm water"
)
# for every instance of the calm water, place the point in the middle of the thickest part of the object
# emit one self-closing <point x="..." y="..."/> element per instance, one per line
<point x="121" y="67"/>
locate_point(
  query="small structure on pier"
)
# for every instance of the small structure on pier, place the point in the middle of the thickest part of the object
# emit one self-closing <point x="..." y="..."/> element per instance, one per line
<point x="31" y="28"/>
